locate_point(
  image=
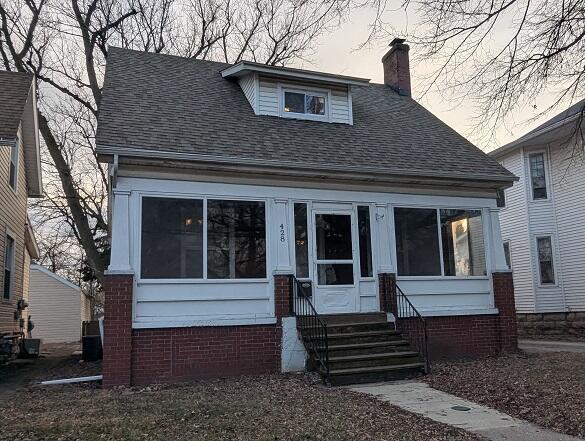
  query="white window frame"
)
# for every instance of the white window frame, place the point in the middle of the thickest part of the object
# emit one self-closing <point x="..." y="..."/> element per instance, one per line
<point x="9" y="260"/>
<point x="554" y="261"/>
<point x="204" y="199"/>
<point x="14" y="154"/>
<point x="326" y="93"/>
<point x="442" y="276"/>
<point x="546" y="175"/>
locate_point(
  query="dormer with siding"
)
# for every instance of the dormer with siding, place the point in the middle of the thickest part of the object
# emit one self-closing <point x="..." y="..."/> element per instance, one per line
<point x="296" y="93"/>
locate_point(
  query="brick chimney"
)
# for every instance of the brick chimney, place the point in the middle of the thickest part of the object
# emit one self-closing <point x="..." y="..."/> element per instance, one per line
<point x="397" y="67"/>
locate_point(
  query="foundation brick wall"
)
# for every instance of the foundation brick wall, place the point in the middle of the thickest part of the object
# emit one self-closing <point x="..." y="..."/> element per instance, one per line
<point x="144" y="356"/>
<point x="552" y="324"/>
<point x="465" y="336"/>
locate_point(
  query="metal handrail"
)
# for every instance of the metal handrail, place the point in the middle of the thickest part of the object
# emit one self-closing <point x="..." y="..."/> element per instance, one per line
<point x="413" y="325"/>
<point x="310" y="324"/>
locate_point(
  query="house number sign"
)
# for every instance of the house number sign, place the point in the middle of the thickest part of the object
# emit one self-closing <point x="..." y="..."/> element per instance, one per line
<point x="282" y="234"/>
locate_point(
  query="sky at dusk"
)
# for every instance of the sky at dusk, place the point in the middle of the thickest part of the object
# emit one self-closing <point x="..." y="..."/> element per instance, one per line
<point x="337" y="52"/>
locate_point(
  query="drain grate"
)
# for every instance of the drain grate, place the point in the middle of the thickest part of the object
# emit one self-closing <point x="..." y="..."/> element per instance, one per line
<point x="461" y="408"/>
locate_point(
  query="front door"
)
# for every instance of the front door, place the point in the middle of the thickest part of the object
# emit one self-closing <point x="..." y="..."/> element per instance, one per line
<point x="334" y="254"/>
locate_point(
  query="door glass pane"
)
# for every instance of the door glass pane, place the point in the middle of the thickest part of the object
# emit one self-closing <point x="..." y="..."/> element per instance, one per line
<point x="333" y="235"/>
<point x="172" y="238"/>
<point x="463" y="244"/>
<point x="301" y="241"/>
<point x="236" y="240"/>
<point x="335" y="274"/>
<point x="294" y="102"/>
<point x="545" y="260"/>
<point x="365" y="236"/>
<point x="417" y="242"/>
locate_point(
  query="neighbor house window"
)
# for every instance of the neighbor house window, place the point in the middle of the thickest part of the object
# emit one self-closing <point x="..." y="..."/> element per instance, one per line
<point x="176" y="245"/>
<point x="507" y="253"/>
<point x="301" y="241"/>
<point x="236" y="239"/>
<point x="538" y="176"/>
<point x="172" y="238"/>
<point x="13" y="171"/>
<point x="545" y="260"/>
<point x="365" y="241"/>
<point x="424" y="234"/>
<point x="305" y="103"/>
<point x="463" y="246"/>
<point x="8" y="267"/>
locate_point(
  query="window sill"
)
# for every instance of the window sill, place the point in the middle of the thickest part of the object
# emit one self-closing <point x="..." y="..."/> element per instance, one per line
<point x="454" y="312"/>
<point x="197" y="281"/>
<point x="430" y="278"/>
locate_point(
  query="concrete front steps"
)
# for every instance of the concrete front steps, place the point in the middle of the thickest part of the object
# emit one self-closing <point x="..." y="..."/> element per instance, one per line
<point x="365" y="348"/>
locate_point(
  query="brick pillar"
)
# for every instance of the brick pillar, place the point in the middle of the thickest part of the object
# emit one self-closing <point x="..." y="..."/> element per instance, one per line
<point x="387" y="287"/>
<point x="282" y="296"/>
<point x="117" y="330"/>
<point x="504" y="300"/>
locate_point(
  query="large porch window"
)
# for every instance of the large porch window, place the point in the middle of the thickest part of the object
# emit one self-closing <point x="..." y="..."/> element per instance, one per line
<point x="439" y="242"/>
<point x="202" y="239"/>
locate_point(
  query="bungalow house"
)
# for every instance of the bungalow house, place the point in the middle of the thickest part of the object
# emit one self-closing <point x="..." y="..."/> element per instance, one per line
<point x="20" y="178"/>
<point x="264" y="214"/>
<point x="542" y="226"/>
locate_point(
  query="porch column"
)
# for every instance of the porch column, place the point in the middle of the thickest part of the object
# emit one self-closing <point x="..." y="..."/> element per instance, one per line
<point x="283" y="250"/>
<point x="385" y="241"/>
<point x="118" y="298"/>
<point x="497" y="245"/>
<point x="120" y="244"/>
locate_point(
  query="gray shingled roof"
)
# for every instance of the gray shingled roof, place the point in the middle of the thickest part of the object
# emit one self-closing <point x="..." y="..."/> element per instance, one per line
<point x="162" y="103"/>
<point x="14" y="90"/>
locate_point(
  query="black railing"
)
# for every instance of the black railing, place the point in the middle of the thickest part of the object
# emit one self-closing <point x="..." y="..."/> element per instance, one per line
<point x="311" y="326"/>
<point x="411" y="324"/>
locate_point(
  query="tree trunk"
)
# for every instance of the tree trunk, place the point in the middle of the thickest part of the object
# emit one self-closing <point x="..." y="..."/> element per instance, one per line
<point x="94" y="256"/>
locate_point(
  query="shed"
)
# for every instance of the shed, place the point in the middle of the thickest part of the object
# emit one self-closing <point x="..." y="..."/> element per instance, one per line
<point x="57" y="306"/>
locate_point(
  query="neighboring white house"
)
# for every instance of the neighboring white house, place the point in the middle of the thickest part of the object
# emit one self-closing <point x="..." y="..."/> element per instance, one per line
<point x="231" y="182"/>
<point x="542" y="224"/>
<point x="57" y="306"/>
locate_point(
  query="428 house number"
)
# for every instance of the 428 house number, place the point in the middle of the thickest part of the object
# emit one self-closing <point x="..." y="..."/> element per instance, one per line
<point x="282" y="233"/>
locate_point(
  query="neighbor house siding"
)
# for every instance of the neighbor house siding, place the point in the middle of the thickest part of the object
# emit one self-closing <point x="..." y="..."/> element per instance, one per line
<point x="514" y="225"/>
<point x="12" y="221"/>
<point x="569" y="191"/>
<point x="55" y="308"/>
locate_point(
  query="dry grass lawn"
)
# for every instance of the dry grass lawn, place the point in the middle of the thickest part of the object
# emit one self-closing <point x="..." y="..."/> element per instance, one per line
<point x="263" y="408"/>
<point x="547" y="389"/>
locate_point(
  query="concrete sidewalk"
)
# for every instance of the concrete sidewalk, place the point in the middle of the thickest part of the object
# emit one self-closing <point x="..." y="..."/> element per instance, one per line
<point x="420" y="398"/>
<point x="539" y="346"/>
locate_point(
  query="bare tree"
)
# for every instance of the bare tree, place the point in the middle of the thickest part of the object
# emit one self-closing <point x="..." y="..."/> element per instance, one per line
<point x="502" y="54"/>
<point x="65" y="44"/>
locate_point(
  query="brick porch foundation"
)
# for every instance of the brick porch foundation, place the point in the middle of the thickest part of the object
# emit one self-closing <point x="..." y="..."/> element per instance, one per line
<point x="143" y="356"/>
<point x="465" y="336"/>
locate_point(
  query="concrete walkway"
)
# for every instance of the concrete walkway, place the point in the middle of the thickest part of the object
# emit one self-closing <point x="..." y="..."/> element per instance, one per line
<point x="420" y="398"/>
<point x="551" y="346"/>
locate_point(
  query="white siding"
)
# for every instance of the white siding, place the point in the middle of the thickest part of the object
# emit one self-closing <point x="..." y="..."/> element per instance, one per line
<point x="55" y="307"/>
<point x="569" y="201"/>
<point x="248" y="85"/>
<point x="268" y="97"/>
<point x="340" y="107"/>
<point x="514" y="225"/>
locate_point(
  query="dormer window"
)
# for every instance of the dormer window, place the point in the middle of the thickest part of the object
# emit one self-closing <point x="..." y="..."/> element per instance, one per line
<point x="304" y="103"/>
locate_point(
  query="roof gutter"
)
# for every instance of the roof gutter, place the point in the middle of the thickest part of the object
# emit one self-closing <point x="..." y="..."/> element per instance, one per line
<point x="315" y="169"/>
<point x="523" y="139"/>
